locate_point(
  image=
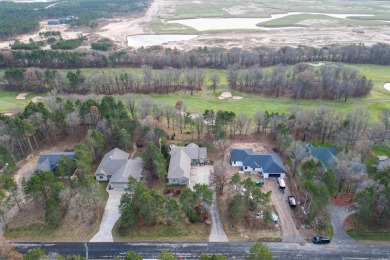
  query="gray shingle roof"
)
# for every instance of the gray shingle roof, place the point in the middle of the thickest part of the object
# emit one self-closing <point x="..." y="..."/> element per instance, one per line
<point x="112" y="161"/>
<point x="179" y="165"/>
<point x="271" y="163"/>
<point x="129" y="168"/>
<point x="48" y="161"/>
<point x="195" y="153"/>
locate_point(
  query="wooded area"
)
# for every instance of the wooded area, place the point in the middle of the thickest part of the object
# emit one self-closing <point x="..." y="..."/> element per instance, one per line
<point x="21" y="18"/>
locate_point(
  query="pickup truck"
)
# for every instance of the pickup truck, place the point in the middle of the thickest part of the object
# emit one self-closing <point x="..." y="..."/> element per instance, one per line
<point x="292" y="201"/>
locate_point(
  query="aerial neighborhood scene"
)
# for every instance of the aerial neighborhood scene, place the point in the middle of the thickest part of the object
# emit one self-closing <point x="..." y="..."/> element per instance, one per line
<point x="194" y="129"/>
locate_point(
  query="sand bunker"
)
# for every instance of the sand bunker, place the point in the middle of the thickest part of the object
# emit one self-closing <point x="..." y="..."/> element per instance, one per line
<point x="226" y="95"/>
<point x="387" y="86"/>
<point x="8" y="114"/>
<point x="36" y="99"/>
<point x="21" y="96"/>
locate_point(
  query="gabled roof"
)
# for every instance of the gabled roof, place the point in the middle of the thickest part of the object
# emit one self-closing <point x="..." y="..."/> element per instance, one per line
<point x="193" y="151"/>
<point x="127" y="169"/>
<point x="270" y="163"/>
<point x="323" y="154"/>
<point x="48" y="161"/>
<point x="179" y="165"/>
<point x="112" y="161"/>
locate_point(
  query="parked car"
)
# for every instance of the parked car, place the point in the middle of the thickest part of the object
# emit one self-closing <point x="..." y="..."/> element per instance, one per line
<point x="292" y="201"/>
<point x="320" y="240"/>
<point x="281" y="184"/>
<point x="274" y="217"/>
<point x="259" y="183"/>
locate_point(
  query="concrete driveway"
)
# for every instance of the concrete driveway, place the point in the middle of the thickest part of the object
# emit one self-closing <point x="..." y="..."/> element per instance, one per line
<point x="200" y="174"/>
<point x="217" y="234"/>
<point x="110" y="216"/>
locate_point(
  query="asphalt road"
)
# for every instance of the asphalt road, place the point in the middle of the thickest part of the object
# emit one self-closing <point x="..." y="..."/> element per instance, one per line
<point x="230" y="250"/>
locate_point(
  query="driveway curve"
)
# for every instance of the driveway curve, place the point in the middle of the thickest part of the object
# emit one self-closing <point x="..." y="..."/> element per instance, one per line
<point x="338" y="216"/>
<point x="110" y="217"/>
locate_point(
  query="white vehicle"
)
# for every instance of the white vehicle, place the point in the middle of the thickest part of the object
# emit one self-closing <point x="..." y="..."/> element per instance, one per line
<point x="274" y="217"/>
<point x="281" y="184"/>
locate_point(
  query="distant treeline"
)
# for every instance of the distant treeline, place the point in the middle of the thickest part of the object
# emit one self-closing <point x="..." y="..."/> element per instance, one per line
<point x="159" y="58"/>
<point x="300" y="81"/>
<point x="20" y="18"/>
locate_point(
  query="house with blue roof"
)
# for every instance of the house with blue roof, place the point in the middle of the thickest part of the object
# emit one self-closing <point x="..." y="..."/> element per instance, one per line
<point x="49" y="161"/>
<point x="268" y="165"/>
<point x="327" y="155"/>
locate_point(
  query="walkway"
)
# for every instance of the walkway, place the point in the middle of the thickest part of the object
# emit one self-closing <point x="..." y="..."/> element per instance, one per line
<point x="217" y="234"/>
<point x="338" y="216"/>
<point x="110" y="217"/>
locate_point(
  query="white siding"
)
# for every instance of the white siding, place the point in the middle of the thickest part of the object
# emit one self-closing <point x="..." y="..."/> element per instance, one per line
<point x="101" y="177"/>
<point x="237" y="163"/>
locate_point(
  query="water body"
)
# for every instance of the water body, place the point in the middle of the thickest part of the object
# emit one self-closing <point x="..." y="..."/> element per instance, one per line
<point x="387" y="86"/>
<point x="144" y="40"/>
<point x="206" y="24"/>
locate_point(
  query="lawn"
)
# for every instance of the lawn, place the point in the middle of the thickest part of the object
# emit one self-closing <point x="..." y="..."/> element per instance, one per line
<point x="370" y="236"/>
<point x="9" y="104"/>
<point x="180" y="231"/>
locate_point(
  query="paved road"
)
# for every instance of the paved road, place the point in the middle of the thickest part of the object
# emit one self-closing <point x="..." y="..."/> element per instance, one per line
<point x="230" y="250"/>
<point x="217" y="234"/>
<point x="338" y="216"/>
<point x="110" y="216"/>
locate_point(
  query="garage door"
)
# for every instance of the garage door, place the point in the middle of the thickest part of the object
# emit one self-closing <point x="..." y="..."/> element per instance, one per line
<point x="274" y="175"/>
<point x="117" y="185"/>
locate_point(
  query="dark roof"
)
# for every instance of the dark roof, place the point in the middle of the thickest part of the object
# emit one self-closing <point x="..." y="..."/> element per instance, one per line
<point x="48" y="161"/>
<point x="324" y="154"/>
<point x="271" y="163"/>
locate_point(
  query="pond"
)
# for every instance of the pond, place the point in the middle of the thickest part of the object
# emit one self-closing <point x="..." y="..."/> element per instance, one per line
<point x="205" y="24"/>
<point x="146" y="40"/>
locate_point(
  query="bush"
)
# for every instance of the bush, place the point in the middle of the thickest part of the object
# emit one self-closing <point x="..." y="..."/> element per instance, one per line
<point x="67" y="44"/>
<point x="101" y="46"/>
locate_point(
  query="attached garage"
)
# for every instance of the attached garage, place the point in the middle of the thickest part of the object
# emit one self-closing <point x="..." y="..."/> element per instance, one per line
<point x="275" y="175"/>
<point x="121" y="178"/>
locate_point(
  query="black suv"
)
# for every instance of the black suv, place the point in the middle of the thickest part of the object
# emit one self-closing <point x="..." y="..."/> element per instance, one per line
<point x="320" y="240"/>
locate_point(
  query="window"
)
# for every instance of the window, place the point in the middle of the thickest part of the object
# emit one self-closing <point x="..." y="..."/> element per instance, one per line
<point x="101" y="177"/>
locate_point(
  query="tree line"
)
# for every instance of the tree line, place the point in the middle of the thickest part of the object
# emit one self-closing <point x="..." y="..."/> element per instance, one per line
<point x="300" y="81"/>
<point x="158" y="57"/>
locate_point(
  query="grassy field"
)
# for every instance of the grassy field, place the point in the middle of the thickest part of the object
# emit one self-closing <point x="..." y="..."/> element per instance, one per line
<point x="180" y="231"/>
<point x="375" y="102"/>
<point x="369" y="236"/>
<point x="9" y="104"/>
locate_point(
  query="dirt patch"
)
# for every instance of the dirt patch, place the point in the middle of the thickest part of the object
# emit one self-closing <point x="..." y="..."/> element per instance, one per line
<point x="21" y="96"/>
<point x="349" y="223"/>
<point x="343" y="199"/>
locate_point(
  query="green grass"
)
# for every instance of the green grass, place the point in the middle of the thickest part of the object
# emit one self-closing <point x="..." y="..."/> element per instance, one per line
<point x="327" y="230"/>
<point x="373" y="236"/>
<point x="9" y="104"/>
<point x="375" y="102"/>
<point x="180" y="231"/>
<point x="381" y="149"/>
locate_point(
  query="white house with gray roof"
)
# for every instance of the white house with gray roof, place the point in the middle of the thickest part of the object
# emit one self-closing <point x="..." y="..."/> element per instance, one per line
<point x="182" y="158"/>
<point x="268" y="165"/>
<point x="116" y="167"/>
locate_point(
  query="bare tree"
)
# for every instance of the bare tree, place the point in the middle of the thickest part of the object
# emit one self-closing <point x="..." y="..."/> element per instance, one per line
<point x="131" y="103"/>
<point x="221" y="146"/>
<point x="243" y="123"/>
<point x="145" y="107"/>
<point x="214" y="80"/>
<point x="385" y="120"/>
<point x="220" y="176"/>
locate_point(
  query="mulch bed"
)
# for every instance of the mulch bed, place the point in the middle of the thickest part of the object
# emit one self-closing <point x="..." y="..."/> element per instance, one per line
<point x="343" y="199"/>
